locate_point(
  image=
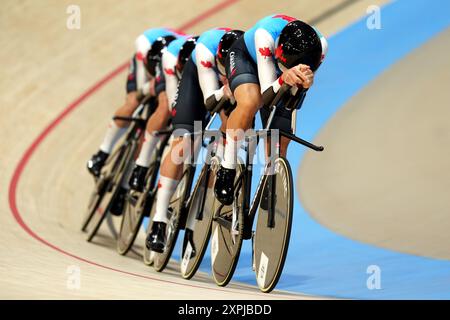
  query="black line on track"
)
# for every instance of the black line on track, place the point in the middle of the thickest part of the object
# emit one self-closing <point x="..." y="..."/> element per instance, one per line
<point x="332" y="11"/>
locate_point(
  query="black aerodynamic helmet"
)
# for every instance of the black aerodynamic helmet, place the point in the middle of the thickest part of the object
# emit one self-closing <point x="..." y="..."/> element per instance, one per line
<point x="155" y="52"/>
<point x="225" y="44"/>
<point x="184" y="54"/>
<point x="299" y="43"/>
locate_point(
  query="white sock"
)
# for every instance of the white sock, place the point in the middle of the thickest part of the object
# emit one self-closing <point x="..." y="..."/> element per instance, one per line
<point x="232" y="147"/>
<point x="113" y="134"/>
<point x="220" y="150"/>
<point x="145" y="156"/>
<point x="166" y="188"/>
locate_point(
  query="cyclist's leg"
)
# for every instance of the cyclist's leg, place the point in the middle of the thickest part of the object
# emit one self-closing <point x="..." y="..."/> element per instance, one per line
<point x="116" y="128"/>
<point x="157" y="122"/>
<point x="248" y="98"/>
<point x="170" y="175"/>
<point x="244" y="83"/>
<point x="188" y="108"/>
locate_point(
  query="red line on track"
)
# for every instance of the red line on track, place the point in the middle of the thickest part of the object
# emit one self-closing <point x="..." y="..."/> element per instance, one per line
<point x="50" y="127"/>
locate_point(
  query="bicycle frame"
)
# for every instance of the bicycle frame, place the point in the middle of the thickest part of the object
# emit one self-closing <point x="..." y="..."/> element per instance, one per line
<point x="190" y="170"/>
<point x="249" y="209"/>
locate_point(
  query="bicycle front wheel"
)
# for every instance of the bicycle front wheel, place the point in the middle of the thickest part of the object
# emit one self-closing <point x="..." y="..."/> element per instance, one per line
<point x="201" y="210"/>
<point x="273" y="228"/>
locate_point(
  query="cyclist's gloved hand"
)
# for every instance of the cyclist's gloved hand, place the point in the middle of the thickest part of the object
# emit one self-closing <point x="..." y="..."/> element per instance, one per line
<point x="308" y="74"/>
<point x="299" y="76"/>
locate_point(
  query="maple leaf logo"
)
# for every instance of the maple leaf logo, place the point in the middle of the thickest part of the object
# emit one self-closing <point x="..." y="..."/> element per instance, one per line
<point x="206" y="64"/>
<point x="284" y="17"/>
<point x="265" y="52"/>
<point x="140" y="56"/>
<point x="169" y="72"/>
<point x="279" y="53"/>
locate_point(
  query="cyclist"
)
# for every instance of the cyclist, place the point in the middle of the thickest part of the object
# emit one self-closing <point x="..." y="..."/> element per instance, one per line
<point x="200" y="89"/>
<point x="160" y="118"/>
<point x="139" y="84"/>
<point x="277" y="49"/>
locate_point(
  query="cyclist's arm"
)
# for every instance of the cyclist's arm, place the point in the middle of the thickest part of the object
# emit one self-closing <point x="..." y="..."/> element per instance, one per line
<point x="168" y="62"/>
<point x="208" y="79"/>
<point x="267" y="70"/>
<point x="142" y="46"/>
<point x="269" y="82"/>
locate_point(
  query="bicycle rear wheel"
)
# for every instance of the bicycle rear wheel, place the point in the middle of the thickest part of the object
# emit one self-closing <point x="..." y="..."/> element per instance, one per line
<point x="115" y="179"/>
<point x="137" y="204"/>
<point x="203" y="200"/>
<point x="94" y="201"/>
<point x="101" y="185"/>
<point x="226" y="243"/>
<point x="272" y="242"/>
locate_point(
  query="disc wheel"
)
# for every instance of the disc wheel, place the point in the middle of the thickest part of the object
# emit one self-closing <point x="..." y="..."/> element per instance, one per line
<point x="136" y="205"/>
<point x="271" y="242"/>
<point x="203" y="205"/>
<point x="226" y="241"/>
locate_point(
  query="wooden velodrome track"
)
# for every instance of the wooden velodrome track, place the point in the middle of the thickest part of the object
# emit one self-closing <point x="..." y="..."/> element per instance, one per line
<point x="46" y="70"/>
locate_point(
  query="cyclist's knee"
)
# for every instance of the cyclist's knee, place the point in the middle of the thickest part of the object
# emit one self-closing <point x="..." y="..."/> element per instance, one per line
<point x="181" y="148"/>
<point x="248" y="98"/>
<point x="158" y="120"/>
<point x="131" y="100"/>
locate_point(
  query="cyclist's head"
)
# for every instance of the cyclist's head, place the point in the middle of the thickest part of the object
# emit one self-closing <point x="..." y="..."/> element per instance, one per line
<point x="224" y="48"/>
<point x="184" y="54"/>
<point x="155" y="53"/>
<point x="299" y="43"/>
